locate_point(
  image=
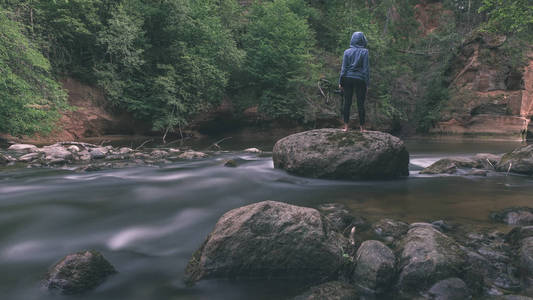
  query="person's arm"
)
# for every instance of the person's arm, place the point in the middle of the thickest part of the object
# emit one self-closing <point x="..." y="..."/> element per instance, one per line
<point x="343" y="69"/>
<point x="366" y="66"/>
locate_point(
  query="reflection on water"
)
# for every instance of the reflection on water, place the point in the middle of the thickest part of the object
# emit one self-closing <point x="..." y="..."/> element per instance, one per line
<point x="149" y="220"/>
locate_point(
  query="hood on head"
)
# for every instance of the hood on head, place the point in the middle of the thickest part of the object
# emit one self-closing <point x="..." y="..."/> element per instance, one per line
<point x="358" y="40"/>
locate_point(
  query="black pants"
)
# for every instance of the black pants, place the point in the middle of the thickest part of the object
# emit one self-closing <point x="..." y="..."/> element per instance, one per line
<point x="349" y="85"/>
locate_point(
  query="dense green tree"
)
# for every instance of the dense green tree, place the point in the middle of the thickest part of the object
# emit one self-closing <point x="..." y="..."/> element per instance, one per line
<point x="508" y="16"/>
<point x="30" y="98"/>
<point x="279" y="61"/>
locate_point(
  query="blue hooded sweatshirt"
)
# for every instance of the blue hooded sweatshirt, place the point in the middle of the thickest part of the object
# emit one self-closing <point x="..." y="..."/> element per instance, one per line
<point x="355" y="59"/>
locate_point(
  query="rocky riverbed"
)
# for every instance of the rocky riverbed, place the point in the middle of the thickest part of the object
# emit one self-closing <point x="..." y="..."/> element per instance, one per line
<point x="90" y="157"/>
<point x="357" y="260"/>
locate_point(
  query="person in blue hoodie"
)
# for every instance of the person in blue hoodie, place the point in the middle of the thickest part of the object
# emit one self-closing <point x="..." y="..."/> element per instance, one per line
<point x="355" y="75"/>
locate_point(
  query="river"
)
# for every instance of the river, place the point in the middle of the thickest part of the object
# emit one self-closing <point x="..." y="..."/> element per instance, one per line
<point x="147" y="221"/>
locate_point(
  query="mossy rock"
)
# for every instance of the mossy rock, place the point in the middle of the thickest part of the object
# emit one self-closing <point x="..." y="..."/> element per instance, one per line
<point x="334" y="154"/>
<point x="79" y="272"/>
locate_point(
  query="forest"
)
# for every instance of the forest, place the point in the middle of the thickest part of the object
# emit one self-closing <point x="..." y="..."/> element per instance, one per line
<point x="167" y="61"/>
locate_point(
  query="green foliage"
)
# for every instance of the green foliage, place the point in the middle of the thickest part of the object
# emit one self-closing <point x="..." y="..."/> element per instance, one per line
<point x="508" y="16"/>
<point x="428" y="111"/>
<point x="29" y="96"/>
<point x="279" y="62"/>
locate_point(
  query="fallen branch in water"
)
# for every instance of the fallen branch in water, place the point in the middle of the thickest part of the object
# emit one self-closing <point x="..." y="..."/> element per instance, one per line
<point x="491" y="164"/>
<point x="144" y="143"/>
<point x="218" y="142"/>
<point x="103" y="142"/>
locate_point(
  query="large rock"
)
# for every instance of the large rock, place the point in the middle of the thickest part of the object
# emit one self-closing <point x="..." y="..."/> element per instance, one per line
<point x="269" y="240"/>
<point x="332" y="153"/>
<point x="333" y="290"/>
<point x="428" y="256"/>
<point x="375" y="267"/>
<point x="78" y="273"/>
<point x="519" y="160"/>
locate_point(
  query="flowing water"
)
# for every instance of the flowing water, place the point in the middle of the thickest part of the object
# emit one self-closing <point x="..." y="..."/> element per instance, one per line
<point x="149" y="220"/>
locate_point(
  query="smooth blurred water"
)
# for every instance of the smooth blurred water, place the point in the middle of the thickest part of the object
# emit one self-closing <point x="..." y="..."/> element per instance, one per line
<point x="149" y="220"/>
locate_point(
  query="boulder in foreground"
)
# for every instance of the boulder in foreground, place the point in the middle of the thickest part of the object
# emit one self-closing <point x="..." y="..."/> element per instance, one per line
<point x="269" y="240"/>
<point x="334" y="154"/>
<point x="427" y="257"/>
<point x="79" y="272"/>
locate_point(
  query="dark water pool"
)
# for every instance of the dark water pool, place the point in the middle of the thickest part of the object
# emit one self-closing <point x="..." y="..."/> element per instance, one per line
<point x="149" y="220"/>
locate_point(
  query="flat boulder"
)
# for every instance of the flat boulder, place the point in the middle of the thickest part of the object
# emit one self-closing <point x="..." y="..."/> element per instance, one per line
<point x="22" y="148"/>
<point x="428" y="256"/>
<point x="269" y="240"/>
<point x="519" y="161"/>
<point x="79" y="272"/>
<point x="334" y="154"/>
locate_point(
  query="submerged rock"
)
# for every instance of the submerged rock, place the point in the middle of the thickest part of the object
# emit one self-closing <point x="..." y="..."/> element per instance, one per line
<point x="230" y="163"/>
<point x="448" y="166"/>
<point x="514" y="216"/>
<point x="334" y="154"/>
<point x="269" y="240"/>
<point x="375" y="268"/>
<point x="340" y="218"/>
<point x="333" y="290"/>
<point x="390" y="230"/>
<point x="519" y="161"/>
<point x="79" y="272"/>
<point x="449" y="289"/>
<point x="428" y="256"/>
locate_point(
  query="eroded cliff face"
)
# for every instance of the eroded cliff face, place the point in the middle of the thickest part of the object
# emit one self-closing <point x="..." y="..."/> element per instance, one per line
<point x="489" y="94"/>
<point x="90" y="116"/>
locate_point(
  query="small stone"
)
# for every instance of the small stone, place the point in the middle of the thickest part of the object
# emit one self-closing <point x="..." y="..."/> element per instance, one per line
<point x="98" y="153"/>
<point x="230" y="163"/>
<point x="159" y="154"/>
<point x="125" y="150"/>
<point x="478" y="172"/>
<point x="29" y="157"/>
<point x="192" y="155"/>
<point x="252" y="150"/>
<point x="449" y="289"/>
<point x="84" y="155"/>
<point x="79" y="272"/>
<point x="74" y="149"/>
